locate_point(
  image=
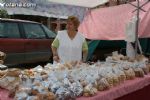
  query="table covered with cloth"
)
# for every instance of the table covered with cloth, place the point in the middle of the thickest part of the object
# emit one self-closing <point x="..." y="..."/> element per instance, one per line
<point x="119" y="92"/>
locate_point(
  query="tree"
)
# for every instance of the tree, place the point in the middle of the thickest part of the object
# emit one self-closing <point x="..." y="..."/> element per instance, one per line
<point x="3" y="14"/>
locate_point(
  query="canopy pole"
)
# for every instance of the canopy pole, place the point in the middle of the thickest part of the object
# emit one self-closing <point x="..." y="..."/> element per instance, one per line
<point x="137" y="22"/>
<point x="137" y="28"/>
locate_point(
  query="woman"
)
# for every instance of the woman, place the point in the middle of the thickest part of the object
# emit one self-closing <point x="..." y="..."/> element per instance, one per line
<point x="69" y="45"/>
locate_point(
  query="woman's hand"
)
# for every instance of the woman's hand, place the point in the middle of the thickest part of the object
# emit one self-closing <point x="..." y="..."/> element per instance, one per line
<point x="56" y="58"/>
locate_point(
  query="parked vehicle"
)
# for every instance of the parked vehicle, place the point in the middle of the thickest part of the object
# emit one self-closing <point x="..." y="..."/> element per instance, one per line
<point x="25" y="41"/>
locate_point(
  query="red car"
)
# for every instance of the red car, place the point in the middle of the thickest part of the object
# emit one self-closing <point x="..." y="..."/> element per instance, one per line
<point x="25" y="41"/>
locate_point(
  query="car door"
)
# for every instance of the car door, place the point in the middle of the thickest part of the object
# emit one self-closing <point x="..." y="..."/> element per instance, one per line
<point x="51" y="36"/>
<point x="11" y="42"/>
<point x="37" y="45"/>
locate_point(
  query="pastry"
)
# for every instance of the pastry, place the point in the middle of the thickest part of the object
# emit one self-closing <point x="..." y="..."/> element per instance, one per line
<point x="103" y="84"/>
<point x="2" y="55"/>
<point x="139" y="72"/>
<point x="14" y="72"/>
<point x="1" y="61"/>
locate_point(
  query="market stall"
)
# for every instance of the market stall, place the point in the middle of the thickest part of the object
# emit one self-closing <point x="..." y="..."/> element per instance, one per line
<point x="114" y="78"/>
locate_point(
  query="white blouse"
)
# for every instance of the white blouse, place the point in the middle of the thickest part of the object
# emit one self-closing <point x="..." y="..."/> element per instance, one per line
<point x="69" y="49"/>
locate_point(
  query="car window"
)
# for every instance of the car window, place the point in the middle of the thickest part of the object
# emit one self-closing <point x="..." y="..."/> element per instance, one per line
<point x="49" y="32"/>
<point x="9" y="30"/>
<point x="34" y="31"/>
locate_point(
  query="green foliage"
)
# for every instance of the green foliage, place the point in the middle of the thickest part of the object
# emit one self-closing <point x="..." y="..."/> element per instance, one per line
<point x="3" y="14"/>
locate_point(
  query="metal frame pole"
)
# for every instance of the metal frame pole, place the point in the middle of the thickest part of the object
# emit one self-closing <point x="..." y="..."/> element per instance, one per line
<point x="137" y="22"/>
<point x="137" y="28"/>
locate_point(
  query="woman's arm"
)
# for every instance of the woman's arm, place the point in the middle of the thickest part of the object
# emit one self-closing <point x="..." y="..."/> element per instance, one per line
<point x="85" y="54"/>
<point x="55" y="55"/>
<point x="54" y="47"/>
<point x="85" y="51"/>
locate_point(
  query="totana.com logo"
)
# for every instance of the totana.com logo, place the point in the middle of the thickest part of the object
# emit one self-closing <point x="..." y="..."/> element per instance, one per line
<point x="24" y="5"/>
<point x="18" y="3"/>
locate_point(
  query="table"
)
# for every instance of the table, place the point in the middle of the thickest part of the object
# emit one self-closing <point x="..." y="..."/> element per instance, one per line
<point x="4" y="95"/>
<point x="137" y="89"/>
<point x="129" y="90"/>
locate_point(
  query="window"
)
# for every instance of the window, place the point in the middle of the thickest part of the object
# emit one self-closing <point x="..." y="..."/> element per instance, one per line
<point x="34" y="31"/>
<point x="9" y="30"/>
<point x="49" y="32"/>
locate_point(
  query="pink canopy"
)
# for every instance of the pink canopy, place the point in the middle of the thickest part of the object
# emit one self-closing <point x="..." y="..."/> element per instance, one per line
<point x="109" y="23"/>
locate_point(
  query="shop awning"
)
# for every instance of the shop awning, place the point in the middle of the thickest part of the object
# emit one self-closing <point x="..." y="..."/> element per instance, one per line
<point x="109" y="23"/>
<point x="26" y="11"/>
<point x="81" y="3"/>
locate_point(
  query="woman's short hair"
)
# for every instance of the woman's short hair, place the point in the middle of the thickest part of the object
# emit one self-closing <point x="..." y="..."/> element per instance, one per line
<point x="75" y="21"/>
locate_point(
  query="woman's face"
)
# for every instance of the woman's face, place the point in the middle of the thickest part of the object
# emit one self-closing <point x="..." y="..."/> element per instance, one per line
<point x="70" y="26"/>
